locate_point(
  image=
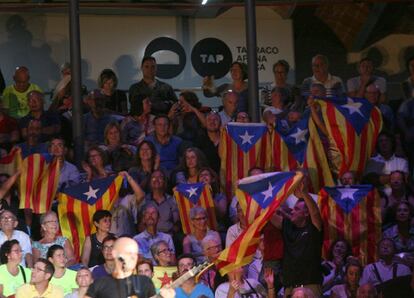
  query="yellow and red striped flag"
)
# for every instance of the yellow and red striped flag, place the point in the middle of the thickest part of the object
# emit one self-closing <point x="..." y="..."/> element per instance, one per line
<point x="38" y="182"/>
<point x="259" y="196"/>
<point x="188" y="195"/>
<point x="353" y="124"/>
<point x="78" y="203"/>
<point x="242" y="147"/>
<point x="10" y="163"/>
<point x="352" y="213"/>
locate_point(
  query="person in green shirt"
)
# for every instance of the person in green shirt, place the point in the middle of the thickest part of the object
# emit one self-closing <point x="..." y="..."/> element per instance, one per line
<point x="12" y="275"/>
<point x="15" y="96"/>
<point x="63" y="277"/>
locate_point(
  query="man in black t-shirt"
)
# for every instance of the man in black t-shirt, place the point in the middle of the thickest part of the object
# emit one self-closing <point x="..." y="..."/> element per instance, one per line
<point x="124" y="283"/>
<point x="302" y="237"/>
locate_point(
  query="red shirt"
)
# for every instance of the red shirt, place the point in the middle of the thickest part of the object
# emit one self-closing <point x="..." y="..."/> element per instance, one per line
<point x="273" y="243"/>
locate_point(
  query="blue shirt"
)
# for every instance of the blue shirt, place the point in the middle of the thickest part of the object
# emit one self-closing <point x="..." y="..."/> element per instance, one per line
<point x="145" y="240"/>
<point x="69" y="175"/>
<point x="47" y="119"/>
<point x="169" y="153"/>
<point x="94" y="128"/>
<point x="198" y="291"/>
<point x="27" y="150"/>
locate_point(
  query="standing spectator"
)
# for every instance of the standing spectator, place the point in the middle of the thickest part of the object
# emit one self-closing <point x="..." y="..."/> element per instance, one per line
<point x="320" y="68"/>
<point x="49" y="120"/>
<point x="357" y="85"/>
<point x="405" y="122"/>
<point x="95" y="166"/>
<point x="40" y="285"/>
<point x="145" y="267"/>
<point x="32" y="143"/>
<point x="373" y="95"/>
<point x="238" y="72"/>
<point x="92" y="247"/>
<point x="408" y="85"/>
<point x="115" y="99"/>
<point x="161" y="94"/>
<point x="62" y="277"/>
<point x="12" y="274"/>
<point x="84" y="280"/>
<point x="230" y="101"/>
<point x="15" y="96"/>
<point x="108" y="266"/>
<point x="8" y="223"/>
<point x="61" y="99"/>
<point x="190" y="164"/>
<point x="168" y="146"/>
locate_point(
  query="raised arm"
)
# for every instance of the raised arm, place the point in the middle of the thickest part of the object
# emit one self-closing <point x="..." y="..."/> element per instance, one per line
<point x="302" y="193"/>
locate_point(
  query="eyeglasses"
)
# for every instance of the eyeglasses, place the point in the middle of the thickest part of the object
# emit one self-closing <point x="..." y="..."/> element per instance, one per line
<point x="164" y="251"/>
<point x="107" y="247"/>
<point x="8" y="219"/>
<point x="215" y="247"/>
<point x="51" y="221"/>
<point x="38" y="269"/>
<point x="199" y="218"/>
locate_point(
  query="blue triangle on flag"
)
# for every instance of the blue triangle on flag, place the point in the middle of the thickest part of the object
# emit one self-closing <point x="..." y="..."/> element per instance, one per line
<point x="357" y="111"/>
<point x="347" y="197"/>
<point x="191" y="191"/>
<point x="264" y="187"/>
<point x="296" y="138"/>
<point x="246" y="135"/>
<point x="90" y="192"/>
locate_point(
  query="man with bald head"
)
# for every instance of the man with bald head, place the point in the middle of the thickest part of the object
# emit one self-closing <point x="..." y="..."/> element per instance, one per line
<point x="15" y="96"/>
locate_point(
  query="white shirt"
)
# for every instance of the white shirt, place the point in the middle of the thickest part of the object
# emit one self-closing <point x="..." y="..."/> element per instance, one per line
<point x="250" y="288"/>
<point x="24" y="242"/>
<point x="354" y="83"/>
<point x="392" y="164"/>
<point x="385" y="272"/>
<point x="232" y="233"/>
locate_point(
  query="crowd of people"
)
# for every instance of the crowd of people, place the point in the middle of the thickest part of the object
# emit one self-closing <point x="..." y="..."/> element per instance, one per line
<point x="157" y="140"/>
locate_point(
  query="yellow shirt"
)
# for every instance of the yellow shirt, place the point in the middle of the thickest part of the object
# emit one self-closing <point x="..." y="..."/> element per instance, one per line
<point x="29" y="291"/>
<point x="16" y="102"/>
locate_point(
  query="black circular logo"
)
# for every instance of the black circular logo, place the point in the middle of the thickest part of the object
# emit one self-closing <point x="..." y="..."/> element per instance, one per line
<point x="211" y="57"/>
<point x="167" y="71"/>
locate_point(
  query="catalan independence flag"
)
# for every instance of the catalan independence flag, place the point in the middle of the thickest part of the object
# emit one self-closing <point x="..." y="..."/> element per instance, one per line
<point x="38" y="182"/>
<point x="352" y="213"/>
<point x="188" y="195"/>
<point x="259" y="196"/>
<point x="242" y="146"/>
<point x="10" y="163"/>
<point x="78" y="203"/>
<point x="353" y="124"/>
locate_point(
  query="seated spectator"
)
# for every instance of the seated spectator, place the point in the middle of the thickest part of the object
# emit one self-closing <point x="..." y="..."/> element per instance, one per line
<point x="9" y="129"/>
<point x="9" y="199"/>
<point x="161" y="94"/>
<point x="62" y="90"/>
<point x="192" y="242"/>
<point x="95" y="164"/>
<point x="125" y="209"/>
<point x="151" y="234"/>
<point x="92" y="247"/>
<point x="334" y="266"/>
<point x="145" y="267"/>
<point x="353" y="271"/>
<point x="168" y="146"/>
<point x="15" y="96"/>
<point x="12" y="274"/>
<point x="408" y="85"/>
<point x="301" y="292"/>
<point x="386" y="268"/>
<point x="190" y="288"/>
<point x="108" y="266"/>
<point x="320" y="68"/>
<point x="162" y="254"/>
<point x="238" y="86"/>
<point x="230" y="103"/>
<point x="238" y="286"/>
<point x="32" y="144"/>
<point x="8" y="224"/>
<point x="356" y="86"/>
<point x="372" y="94"/>
<point x="49" y="120"/>
<point x="139" y="123"/>
<point x="242" y="117"/>
<point x="40" y="285"/>
<point x="147" y="162"/>
<point x="115" y="99"/>
<point x="62" y="277"/>
<point x="347" y="179"/>
<point x="83" y="280"/>
<point x="95" y="121"/>
<point x="50" y="231"/>
<point x="405" y="122"/>
<point x="402" y="232"/>
<point x="367" y="291"/>
<point x="69" y="173"/>
<point x="169" y="219"/>
<point x="121" y="156"/>
<point x="190" y="164"/>
<point x="280" y="101"/>
<point x="236" y="229"/>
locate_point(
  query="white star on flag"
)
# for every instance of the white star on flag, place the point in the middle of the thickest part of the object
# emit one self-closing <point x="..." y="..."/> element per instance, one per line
<point x="91" y="193"/>
<point x="268" y="193"/>
<point x="347" y="193"/>
<point x="246" y="138"/>
<point x="353" y="107"/>
<point x="192" y="191"/>
<point x="299" y="135"/>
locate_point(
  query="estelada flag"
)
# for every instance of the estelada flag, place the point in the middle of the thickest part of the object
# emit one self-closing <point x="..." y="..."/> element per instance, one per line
<point x="353" y="124"/>
<point x="10" y="163"/>
<point x="38" y="182"/>
<point x="242" y="147"/>
<point x="163" y="276"/>
<point x="259" y="197"/>
<point x="352" y="213"/>
<point x="189" y="195"/>
<point x="78" y="203"/>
